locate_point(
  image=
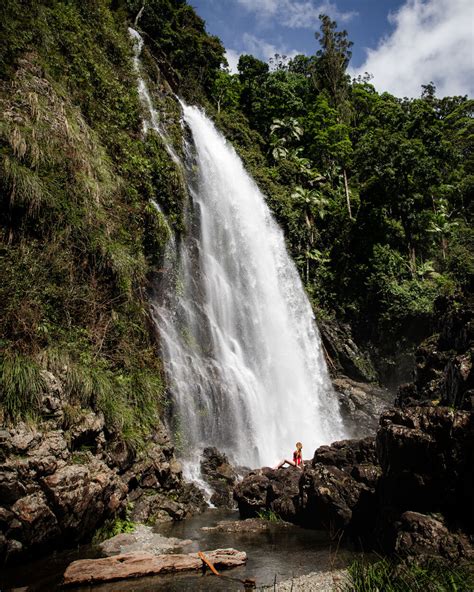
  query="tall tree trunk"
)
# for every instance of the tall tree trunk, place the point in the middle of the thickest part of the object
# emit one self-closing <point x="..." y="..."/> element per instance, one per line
<point x="348" y="197"/>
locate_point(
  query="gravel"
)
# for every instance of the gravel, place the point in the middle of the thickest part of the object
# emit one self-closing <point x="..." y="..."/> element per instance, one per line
<point x="320" y="581"/>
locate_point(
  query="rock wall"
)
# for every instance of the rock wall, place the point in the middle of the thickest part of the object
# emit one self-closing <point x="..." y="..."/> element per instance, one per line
<point x="444" y="363"/>
<point x="62" y="478"/>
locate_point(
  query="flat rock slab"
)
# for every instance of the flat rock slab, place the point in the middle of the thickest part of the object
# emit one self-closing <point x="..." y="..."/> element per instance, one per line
<point x="136" y="565"/>
<point x="141" y="540"/>
<point x="247" y="526"/>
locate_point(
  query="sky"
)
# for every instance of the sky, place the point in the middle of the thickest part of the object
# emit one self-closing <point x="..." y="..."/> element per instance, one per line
<point x="402" y="43"/>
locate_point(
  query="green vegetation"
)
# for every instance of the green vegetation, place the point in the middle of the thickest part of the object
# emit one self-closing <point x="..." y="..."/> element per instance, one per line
<point x="392" y="576"/>
<point x="269" y="515"/>
<point x="79" y="236"/>
<point x="372" y="191"/>
<point x="111" y="528"/>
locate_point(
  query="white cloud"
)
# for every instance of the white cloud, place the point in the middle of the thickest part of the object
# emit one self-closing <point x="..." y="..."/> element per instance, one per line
<point x="296" y="14"/>
<point x="264" y="50"/>
<point x="433" y="40"/>
<point x="232" y="57"/>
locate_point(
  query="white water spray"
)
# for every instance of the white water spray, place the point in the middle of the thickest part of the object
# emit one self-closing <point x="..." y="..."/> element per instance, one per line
<point x="242" y="352"/>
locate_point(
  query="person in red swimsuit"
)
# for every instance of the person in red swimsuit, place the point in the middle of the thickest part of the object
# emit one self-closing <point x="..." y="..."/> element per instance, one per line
<point x="297" y="458"/>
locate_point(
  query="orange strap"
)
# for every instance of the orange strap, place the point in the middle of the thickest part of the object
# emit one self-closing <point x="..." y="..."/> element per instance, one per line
<point x="208" y="563"/>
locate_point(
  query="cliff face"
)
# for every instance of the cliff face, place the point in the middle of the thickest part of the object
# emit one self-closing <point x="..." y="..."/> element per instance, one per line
<point x="62" y="477"/>
<point x="444" y="372"/>
<point x="82" y="394"/>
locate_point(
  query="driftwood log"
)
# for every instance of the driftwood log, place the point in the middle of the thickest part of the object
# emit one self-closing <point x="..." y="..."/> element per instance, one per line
<point x="136" y="565"/>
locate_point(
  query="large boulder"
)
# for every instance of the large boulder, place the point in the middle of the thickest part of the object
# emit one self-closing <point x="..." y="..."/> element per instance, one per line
<point x="275" y="490"/>
<point x="335" y="501"/>
<point x="427" y="455"/>
<point x="336" y="492"/>
<point x="339" y="490"/>
<point x="421" y="535"/>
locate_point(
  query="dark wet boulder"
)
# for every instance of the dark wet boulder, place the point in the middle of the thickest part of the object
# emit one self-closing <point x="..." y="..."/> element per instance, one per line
<point x="427" y="455"/>
<point x="425" y="536"/>
<point x="274" y="490"/>
<point x="335" y="491"/>
<point x="251" y="494"/>
<point x="347" y="453"/>
<point x="334" y="500"/>
<point x="220" y="475"/>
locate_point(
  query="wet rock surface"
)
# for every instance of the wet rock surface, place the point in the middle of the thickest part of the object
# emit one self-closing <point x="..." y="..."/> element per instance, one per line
<point x="247" y="526"/>
<point x="421" y="535"/>
<point x="142" y="539"/>
<point x="343" y="355"/>
<point x="270" y="490"/>
<point x="64" y="477"/>
<point x="221" y="476"/>
<point x="361" y="405"/>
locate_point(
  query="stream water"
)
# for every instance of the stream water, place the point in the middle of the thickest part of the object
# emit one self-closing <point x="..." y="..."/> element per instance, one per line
<point x="277" y="554"/>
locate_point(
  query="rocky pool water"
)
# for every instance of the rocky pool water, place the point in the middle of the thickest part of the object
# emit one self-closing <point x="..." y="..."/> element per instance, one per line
<point x="276" y="552"/>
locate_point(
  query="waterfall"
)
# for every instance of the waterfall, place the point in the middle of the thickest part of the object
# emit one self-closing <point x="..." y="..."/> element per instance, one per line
<point x="242" y="352"/>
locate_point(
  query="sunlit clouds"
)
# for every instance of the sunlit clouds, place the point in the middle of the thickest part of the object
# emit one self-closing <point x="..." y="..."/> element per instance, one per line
<point x="431" y="41"/>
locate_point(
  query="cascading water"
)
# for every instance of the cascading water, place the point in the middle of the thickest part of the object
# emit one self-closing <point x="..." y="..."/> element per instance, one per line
<point x="242" y="352"/>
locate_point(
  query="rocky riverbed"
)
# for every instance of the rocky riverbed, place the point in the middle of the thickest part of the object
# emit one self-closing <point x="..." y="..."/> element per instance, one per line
<point x="277" y="553"/>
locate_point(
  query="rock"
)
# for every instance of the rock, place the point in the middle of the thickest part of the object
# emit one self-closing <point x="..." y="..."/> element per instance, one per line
<point x="86" y="432"/>
<point x="335" y="501"/>
<point x="142" y="539"/>
<point x="361" y="405"/>
<point x="134" y="565"/>
<point x="247" y="526"/>
<point x="444" y="363"/>
<point x="420" y="535"/>
<point x="36" y="522"/>
<point x="62" y="478"/>
<point x="342" y="353"/>
<point x="347" y="453"/>
<point x="220" y="475"/>
<point x="83" y="496"/>
<point x="251" y="494"/>
<point x="427" y="455"/>
<point x="337" y="492"/>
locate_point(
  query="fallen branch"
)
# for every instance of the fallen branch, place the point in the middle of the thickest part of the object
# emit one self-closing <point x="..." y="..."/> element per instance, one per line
<point x="249" y="583"/>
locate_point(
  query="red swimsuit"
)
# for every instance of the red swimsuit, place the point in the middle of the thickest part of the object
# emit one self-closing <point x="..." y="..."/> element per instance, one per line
<point x="297" y="458"/>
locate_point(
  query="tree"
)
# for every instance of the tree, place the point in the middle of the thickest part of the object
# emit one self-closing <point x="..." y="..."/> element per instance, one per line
<point x="330" y="75"/>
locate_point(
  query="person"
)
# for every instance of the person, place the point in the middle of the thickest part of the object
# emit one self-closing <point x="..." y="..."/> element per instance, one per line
<point x="297" y="458"/>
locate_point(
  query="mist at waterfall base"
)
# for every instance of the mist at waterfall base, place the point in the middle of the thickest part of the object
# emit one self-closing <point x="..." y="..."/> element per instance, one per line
<point x="242" y="352"/>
